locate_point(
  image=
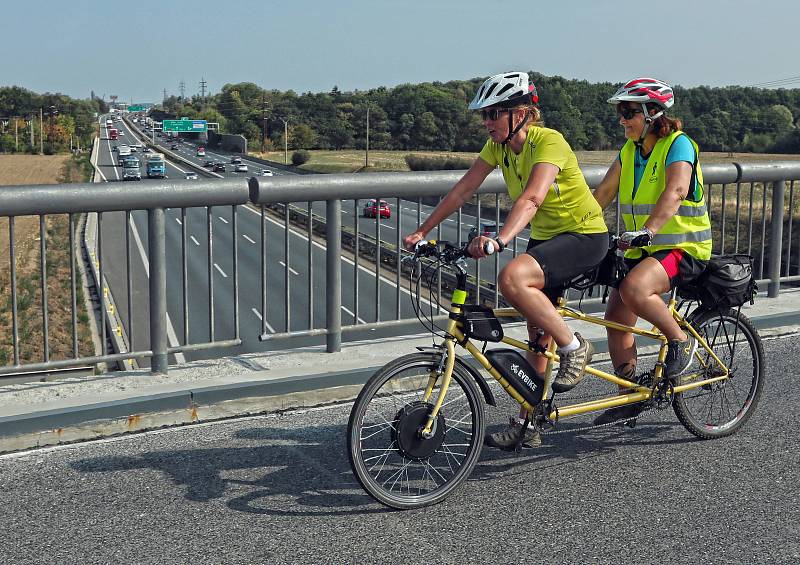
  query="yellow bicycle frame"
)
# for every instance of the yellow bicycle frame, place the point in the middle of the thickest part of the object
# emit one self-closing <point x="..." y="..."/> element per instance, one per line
<point x="638" y="392"/>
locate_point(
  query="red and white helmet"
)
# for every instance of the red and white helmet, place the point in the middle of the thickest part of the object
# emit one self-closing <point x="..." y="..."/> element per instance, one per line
<point x="645" y="90"/>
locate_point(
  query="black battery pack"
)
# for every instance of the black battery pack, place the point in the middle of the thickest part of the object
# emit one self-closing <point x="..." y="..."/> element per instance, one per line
<point x="518" y="372"/>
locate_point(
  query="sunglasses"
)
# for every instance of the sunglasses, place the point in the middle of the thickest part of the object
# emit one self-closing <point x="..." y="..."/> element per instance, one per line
<point x="493" y="113"/>
<point x="627" y="112"/>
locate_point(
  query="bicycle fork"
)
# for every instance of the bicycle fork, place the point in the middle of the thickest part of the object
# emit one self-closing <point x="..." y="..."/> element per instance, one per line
<point x="447" y="375"/>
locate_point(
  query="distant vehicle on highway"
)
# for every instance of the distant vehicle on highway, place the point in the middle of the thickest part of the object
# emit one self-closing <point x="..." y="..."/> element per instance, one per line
<point x="241" y="168"/>
<point x="122" y="152"/>
<point x="109" y="123"/>
<point x="219" y="167"/>
<point x="266" y="173"/>
<point x="114" y="148"/>
<point x="130" y="168"/>
<point x="190" y="175"/>
<point x="201" y="151"/>
<point x="236" y="160"/>
<point x="156" y="166"/>
<point x="174" y="146"/>
<point x="113" y="133"/>
<point x="133" y="149"/>
<point x="208" y="163"/>
<point x="146" y="150"/>
<point x="120" y="132"/>
<point x="372" y="209"/>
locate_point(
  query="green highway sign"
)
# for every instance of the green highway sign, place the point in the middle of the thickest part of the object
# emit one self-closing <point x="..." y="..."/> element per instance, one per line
<point x="136" y="108"/>
<point x="185" y="125"/>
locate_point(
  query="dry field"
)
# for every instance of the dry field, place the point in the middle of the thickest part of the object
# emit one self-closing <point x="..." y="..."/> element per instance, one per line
<point x="24" y="170"/>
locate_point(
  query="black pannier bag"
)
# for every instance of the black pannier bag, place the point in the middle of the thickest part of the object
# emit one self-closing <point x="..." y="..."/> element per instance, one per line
<point x="727" y="282"/>
<point x="517" y="371"/>
<point x="610" y="269"/>
<point x="480" y="323"/>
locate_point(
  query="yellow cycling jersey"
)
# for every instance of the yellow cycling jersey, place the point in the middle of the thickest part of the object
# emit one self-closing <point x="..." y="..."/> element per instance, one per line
<point x="569" y="205"/>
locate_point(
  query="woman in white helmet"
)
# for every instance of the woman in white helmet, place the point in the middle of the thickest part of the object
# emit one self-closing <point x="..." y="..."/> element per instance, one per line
<point x="658" y="180"/>
<point x="568" y="233"/>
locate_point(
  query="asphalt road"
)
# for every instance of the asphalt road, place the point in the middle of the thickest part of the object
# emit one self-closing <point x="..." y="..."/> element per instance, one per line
<point x="278" y="489"/>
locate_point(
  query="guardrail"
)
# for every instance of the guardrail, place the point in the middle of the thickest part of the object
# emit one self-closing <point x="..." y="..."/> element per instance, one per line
<point x="743" y="199"/>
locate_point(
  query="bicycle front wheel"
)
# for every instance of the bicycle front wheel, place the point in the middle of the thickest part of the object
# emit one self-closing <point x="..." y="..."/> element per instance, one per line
<point x="719" y="409"/>
<point x="388" y="455"/>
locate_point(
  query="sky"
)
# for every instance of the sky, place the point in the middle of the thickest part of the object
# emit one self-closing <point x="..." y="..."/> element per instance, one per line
<point x="136" y="50"/>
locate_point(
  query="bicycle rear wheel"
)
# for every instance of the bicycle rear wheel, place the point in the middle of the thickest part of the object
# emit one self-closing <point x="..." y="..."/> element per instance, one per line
<point x="393" y="463"/>
<point x="719" y="409"/>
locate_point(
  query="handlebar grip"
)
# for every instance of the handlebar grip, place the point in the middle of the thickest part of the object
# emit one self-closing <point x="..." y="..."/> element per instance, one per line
<point x="488" y="248"/>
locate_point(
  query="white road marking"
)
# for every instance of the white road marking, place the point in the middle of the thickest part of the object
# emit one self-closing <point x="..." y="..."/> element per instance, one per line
<point x="179" y="221"/>
<point x="290" y="269"/>
<point x="171" y="335"/>
<point x="247" y="238"/>
<point x="220" y="270"/>
<point x="258" y="314"/>
<point x="197" y="243"/>
<point x="360" y="319"/>
<point x="223" y="219"/>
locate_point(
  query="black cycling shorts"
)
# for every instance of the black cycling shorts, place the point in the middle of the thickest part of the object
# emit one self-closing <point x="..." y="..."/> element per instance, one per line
<point x="680" y="266"/>
<point x="566" y="256"/>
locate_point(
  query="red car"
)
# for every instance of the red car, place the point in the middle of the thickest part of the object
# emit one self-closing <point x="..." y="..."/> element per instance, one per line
<point x="372" y="209"/>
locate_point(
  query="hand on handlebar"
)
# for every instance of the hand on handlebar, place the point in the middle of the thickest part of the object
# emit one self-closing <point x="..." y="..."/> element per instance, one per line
<point x="411" y="240"/>
<point x="638" y="238"/>
<point x="482" y="246"/>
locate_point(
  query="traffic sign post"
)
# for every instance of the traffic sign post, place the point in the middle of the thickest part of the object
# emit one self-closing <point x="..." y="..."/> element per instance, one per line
<point x="191" y="126"/>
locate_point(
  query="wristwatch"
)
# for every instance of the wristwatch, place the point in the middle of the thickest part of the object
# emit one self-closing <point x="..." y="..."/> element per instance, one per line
<point x="500" y="245"/>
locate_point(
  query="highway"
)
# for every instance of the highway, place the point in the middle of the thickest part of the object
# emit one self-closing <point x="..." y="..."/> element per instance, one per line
<point x="303" y="302"/>
<point x="278" y="489"/>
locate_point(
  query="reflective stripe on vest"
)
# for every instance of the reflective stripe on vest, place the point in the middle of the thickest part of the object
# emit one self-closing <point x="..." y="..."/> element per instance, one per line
<point x="689" y="228"/>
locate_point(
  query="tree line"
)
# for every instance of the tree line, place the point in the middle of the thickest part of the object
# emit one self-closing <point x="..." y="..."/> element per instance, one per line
<point x="434" y="116"/>
<point x="30" y="122"/>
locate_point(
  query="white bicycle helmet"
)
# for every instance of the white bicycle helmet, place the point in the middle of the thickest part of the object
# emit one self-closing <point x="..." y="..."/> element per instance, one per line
<point x="505" y="90"/>
<point x="645" y="91"/>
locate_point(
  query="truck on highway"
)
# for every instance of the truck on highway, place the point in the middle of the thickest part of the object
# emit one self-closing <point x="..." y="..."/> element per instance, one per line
<point x="122" y="152"/>
<point x="156" y="166"/>
<point x="113" y="133"/>
<point x="130" y="168"/>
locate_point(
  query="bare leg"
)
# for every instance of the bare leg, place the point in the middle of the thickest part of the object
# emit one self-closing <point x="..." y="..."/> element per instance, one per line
<point x="641" y="292"/>
<point x="521" y="281"/>
<point x="621" y="345"/>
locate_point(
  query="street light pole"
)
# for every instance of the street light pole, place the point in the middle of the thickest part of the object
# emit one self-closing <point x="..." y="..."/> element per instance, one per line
<point x="285" y="141"/>
<point x="366" y="158"/>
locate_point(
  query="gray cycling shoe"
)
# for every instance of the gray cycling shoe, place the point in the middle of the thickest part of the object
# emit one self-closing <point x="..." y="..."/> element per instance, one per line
<point x="679" y="356"/>
<point x="572" y="367"/>
<point x="507" y="439"/>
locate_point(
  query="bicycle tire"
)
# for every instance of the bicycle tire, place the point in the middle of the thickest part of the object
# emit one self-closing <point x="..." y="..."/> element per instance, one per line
<point x="720" y="409"/>
<point x="391" y="453"/>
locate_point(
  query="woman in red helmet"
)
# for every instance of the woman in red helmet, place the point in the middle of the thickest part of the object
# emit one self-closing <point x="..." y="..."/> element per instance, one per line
<point x="552" y="197"/>
<point x="659" y="183"/>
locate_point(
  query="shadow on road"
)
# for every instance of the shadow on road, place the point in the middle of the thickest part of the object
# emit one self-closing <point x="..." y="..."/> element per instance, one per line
<point x="308" y="472"/>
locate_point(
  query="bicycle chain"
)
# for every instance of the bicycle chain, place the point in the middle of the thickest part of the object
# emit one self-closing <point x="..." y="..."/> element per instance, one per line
<point x="647" y="406"/>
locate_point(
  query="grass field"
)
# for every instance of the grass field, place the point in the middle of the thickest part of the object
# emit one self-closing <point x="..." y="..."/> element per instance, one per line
<point x="29" y="170"/>
<point x="350" y="161"/>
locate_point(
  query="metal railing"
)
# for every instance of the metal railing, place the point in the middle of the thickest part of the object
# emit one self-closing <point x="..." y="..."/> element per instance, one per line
<point x="743" y="200"/>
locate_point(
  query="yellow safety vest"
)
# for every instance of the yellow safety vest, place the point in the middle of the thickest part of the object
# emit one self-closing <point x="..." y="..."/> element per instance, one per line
<point x="689" y="228"/>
